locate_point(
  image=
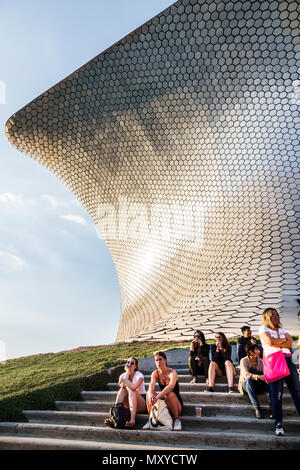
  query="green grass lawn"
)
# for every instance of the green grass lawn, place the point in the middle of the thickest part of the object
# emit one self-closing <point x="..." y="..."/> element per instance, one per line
<point x="36" y="382"/>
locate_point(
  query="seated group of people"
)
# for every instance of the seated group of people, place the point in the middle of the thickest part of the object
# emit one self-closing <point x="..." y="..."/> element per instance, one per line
<point x="221" y="352"/>
<point x="132" y="393"/>
<point x="249" y="354"/>
<point x="252" y="382"/>
<point x="214" y="361"/>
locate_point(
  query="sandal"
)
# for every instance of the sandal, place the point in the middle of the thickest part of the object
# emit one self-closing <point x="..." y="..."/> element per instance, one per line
<point x="108" y="423"/>
<point x="130" y="425"/>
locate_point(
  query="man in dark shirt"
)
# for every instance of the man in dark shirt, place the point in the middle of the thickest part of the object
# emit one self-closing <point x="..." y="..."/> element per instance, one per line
<point x="242" y="341"/>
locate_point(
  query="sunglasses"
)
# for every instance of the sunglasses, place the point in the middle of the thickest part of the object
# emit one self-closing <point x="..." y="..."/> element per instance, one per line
<point x="218" y="337"/>
<point x="131" y="363"/>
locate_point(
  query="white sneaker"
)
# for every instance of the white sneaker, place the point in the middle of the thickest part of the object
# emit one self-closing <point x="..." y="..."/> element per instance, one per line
<point x="177" y="425"/>
<point x="279" y="431"/>
<point x="147" y="425"/>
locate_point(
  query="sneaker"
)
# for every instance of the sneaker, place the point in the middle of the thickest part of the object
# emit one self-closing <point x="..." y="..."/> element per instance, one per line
<point x="177" y="425"/>
<point x="209" y="389"/>
<point x="231" y="390"/>
<point x="279" y="430"/>
<point x="147" y="425"/>
<point x="194" y="381"/>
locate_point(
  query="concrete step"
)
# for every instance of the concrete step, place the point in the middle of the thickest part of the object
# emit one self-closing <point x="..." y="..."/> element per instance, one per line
<point x="181" y="369"/>
<point x="186" y="378"/>
<point x="44" y="443"/>
<point x="192" y="439"/>
<point x="208" y="409"/>
<point x="219" y="423"/>
<point x="190" y="397"/>
<point x="184" y="387"/>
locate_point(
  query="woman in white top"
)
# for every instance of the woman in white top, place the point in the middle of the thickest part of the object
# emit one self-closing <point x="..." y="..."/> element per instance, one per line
<point x="132" y="392"/>
<point x="275" y="338"/>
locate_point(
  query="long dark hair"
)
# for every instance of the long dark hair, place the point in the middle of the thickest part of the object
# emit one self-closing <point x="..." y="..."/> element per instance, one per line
<point x="136" y="364"/>
<point x="225" y="343"/>
<point x="250" y="348"/>
<point x="201" y="334"/>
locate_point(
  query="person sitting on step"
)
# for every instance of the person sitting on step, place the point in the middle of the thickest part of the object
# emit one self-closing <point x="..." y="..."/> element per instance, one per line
<point x="252" y="377"/>
<point x="221" y="363"/>
<point x="242" y="341"/>
<point x="199" y="357"/>
<point x="167" y="379"/>
<point x="253" y="340"/>
<point x="132" y="392"/>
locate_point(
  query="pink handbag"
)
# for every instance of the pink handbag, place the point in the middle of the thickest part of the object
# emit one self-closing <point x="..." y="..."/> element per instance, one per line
<point x="275" y="367"/>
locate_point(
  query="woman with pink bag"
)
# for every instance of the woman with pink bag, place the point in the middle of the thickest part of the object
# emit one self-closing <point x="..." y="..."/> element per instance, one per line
<point x="274" y="338"/>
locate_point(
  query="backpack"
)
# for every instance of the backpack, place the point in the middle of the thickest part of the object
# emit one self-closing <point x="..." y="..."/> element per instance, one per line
<point x="160" y="418"/>
<point x="119" y="415"/>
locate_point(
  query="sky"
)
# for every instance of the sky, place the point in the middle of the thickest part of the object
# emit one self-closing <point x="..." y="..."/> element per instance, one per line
<point x="58" y="285"/>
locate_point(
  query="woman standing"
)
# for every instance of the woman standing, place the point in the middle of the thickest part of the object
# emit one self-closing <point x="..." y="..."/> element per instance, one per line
<point x="275" y="338"/>
<point x="167" y="379"/>
<point x="252" y="377"/>
<point x="199" y="357"/>
<point x="221" y="363"/>
<point x="132" y="393"/>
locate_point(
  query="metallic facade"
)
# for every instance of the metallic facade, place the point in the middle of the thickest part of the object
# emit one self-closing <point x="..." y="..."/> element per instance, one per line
<point x="196" y="111"/>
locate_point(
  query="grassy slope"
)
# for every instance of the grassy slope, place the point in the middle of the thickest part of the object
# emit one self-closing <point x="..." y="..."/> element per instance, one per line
<point x="36" y="382"/>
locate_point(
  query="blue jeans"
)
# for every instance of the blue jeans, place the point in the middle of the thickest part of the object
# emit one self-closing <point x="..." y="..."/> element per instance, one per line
<point x="253" y="387"/>
<point x="276" y="390"/>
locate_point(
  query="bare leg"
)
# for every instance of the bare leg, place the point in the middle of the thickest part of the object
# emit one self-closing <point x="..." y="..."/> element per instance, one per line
<point x="213" y="370"/>
<point x="122" y="397"/>
<point x="230" y="372"/>
<point x="136" y="404"/>
<point x="173" y="404"/>
<point x="149" y="406"/>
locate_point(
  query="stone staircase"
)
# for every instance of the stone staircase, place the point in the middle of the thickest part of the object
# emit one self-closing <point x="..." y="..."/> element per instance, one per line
<point x="227" y="422"/>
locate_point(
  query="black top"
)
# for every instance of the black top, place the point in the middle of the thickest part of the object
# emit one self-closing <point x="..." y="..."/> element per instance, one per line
<point x="175" y="389"/>
<point x="243" y="341"/>
<point x="220" y="357"/>
<point x="200" y="350"/>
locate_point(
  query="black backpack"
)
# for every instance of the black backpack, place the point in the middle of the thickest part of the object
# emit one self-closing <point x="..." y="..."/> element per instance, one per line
<point x="119" y="415"/>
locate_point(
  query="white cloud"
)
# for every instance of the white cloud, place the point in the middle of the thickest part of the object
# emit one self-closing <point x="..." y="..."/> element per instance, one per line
<point x="53" y="201"/>
<point x="76" y="202"/>
<point x="10" y="262"/>
<point x="15" y="200"/>
<point x="74" y="218"/>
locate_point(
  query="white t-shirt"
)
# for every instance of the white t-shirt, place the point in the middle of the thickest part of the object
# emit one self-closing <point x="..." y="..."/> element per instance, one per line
<point x="137" y="375"/>
<point x="273" y="334"/>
